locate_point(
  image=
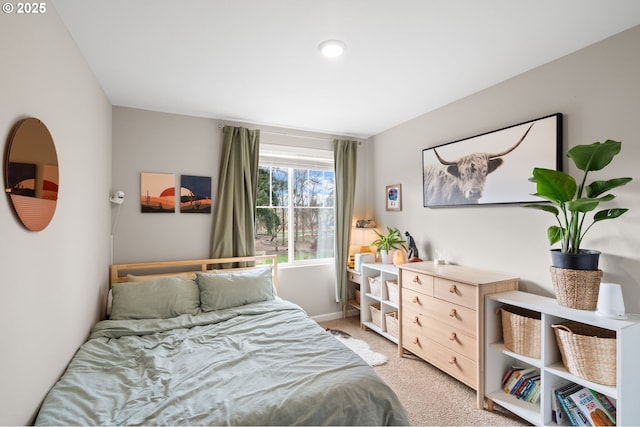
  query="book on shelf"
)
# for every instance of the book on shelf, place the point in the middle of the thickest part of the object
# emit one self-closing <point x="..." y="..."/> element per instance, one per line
<point x="510" y="371"/>
<point x="575" y="416"/>
<point x="514" y="379"/>
<point x="557" y="413"/>
<point x="592" y="408"/>
<point x="608" y="403"/>
<point x="532" y="392"/>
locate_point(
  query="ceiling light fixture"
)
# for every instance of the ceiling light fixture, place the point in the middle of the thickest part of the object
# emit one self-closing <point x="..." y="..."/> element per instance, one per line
<point x="331" y="48"/>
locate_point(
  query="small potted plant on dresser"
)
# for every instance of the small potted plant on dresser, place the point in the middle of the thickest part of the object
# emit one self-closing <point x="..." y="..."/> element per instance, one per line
<point x="385" y="243"/>
<point x="574" y="271"/>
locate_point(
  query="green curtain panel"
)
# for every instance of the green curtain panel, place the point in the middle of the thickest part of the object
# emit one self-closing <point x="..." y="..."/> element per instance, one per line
<point x="345" y="155"/>
<point x="233" y="232"/>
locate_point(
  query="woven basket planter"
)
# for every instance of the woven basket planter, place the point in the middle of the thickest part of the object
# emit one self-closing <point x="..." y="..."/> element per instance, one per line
<point x="576" y="288"/>
<point x="521" y="331"/>
<point x="587" y="351"/>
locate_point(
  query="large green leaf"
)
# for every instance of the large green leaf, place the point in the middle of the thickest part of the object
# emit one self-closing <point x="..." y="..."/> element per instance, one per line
<point x="586" y="204"/>
<point x="554" y="185"/>
<point x="593" y="157"/>
<point x="554" y="234"/>
<point x="583" y="205"/>
<point x="547" y="208"/>
<point x="596" y="188"/>
<point x="609" y="214"/>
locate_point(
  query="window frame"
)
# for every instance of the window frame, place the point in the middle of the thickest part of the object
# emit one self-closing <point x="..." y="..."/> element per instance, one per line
<point x="290" y="158"/>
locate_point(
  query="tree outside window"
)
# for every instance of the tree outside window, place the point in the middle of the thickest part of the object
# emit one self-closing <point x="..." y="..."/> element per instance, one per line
<point x="295" y="216"/>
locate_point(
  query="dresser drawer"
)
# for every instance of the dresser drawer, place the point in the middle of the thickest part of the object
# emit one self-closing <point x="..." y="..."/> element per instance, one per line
<point x="451" y="362"/>
<point x="418" y="325"/>
<point x="418" y="282"/>
<point x="455" y="292"/>
<point x="442" y="311"/>
<point x="354" y="277"/>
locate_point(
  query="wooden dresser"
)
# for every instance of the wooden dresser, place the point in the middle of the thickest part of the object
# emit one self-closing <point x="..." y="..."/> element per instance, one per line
<point x="442" y="317"/>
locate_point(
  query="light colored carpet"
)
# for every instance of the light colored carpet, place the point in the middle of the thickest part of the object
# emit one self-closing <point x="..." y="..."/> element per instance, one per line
<point x="430" y="396"/>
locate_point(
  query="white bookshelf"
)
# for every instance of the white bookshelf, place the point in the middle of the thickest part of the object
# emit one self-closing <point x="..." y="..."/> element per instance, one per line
<point x="386" y="272"/>
<point x="498" y="359"/>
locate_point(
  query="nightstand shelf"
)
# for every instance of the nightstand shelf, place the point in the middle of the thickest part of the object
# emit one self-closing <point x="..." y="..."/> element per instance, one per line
<point x="382" y="300"/>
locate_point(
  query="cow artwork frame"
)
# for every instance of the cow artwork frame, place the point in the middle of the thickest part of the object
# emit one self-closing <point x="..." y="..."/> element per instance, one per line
<point x="493" y="167"/>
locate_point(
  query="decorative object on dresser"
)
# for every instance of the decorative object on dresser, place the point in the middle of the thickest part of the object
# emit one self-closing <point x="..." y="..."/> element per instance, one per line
<point x="575" y="269"/>
<point x="386" y="242"/>
<point x="442" y="317"/>
<point x="413" y="254"/>
<point x="602" y="358"/>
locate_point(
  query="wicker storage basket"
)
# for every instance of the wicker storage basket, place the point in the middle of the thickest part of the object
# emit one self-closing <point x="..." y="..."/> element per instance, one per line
<point x="392" y="291"/>
<point x="576" y="288"/>
<point x="392" y="323"/>
<point x="587" y="351"/>
<point x="376" y="315"/>
<point x="521" y="331"/>
<point x="375" y="287"/>
<point x="357" y="292"/>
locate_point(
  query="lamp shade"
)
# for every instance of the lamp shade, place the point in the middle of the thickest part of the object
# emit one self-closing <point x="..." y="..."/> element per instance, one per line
<point x="361" y="238"/>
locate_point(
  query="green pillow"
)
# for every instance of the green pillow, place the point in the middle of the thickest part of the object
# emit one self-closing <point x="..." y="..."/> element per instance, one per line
<point x="220" y="290"/>
<point x="155" y="299"/>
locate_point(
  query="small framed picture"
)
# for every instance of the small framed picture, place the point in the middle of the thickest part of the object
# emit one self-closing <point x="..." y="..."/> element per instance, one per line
<point x="394" y="197"/>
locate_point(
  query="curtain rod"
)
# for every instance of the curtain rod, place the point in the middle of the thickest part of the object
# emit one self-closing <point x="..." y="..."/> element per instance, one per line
<point x="220" y="126"/>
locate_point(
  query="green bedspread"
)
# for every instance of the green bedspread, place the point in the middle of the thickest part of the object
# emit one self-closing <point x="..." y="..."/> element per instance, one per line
<point x="260" y="364"/>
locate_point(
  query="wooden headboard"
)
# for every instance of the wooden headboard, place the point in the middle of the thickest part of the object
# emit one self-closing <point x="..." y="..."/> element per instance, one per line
<point x="119" y="272"/>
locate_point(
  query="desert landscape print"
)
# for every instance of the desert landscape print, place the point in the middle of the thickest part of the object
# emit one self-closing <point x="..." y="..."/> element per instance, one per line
<point x="157" y="192"/>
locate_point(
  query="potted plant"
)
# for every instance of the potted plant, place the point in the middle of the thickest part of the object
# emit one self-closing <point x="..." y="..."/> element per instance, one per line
<point x="571" y="202"/>
<point x="385" y="243"/>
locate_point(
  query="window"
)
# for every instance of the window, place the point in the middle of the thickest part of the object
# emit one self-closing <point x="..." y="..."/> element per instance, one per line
<point x="295" y="203"/>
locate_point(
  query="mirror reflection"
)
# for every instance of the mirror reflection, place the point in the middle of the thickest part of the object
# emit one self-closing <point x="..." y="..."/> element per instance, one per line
<point x="31" y="173"/>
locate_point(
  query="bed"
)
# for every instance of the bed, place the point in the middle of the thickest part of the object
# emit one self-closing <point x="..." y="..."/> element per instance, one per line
<point x="205" y="344"/>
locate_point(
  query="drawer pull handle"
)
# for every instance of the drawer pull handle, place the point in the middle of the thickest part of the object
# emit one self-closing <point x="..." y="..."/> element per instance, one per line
<point x="452" y="337"/>
<point x="415" y="300"/>
<point x="416" y="341"/>
<point x="453" y="313"/>
<point x="416" y="320"/>
<point x="416" y="280"/>
<point x="453" y="289"/>
<point x="452" y="361"/>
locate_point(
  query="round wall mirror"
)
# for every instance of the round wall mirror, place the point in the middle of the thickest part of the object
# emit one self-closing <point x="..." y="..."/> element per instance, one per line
<point x="31" y="173"/>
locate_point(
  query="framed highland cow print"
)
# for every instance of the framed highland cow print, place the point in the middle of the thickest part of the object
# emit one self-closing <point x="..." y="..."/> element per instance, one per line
<point x="494" y="167"/>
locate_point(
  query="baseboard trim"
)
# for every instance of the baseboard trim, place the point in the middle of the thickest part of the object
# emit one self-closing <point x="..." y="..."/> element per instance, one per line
<point x="333" y="316"/>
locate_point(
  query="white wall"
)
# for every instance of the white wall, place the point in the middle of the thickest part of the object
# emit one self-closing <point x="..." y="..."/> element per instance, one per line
<point x="54" y="280"/>
<point x="598" y="91"/>
<point x="147" y="141"/>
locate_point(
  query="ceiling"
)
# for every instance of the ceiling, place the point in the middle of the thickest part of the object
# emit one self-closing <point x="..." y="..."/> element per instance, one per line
<point x="257" y="61"/>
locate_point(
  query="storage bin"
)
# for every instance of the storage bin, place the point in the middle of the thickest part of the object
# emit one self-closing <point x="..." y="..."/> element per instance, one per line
<point x="521" y="331"/>
<point x="392" y="323"/>
<point x="587" y="351"/>
<point x="392" y="291"/>
<point x="376" y="315"/>
<point x="357" y="292"/>
<point x="375" y="286"/>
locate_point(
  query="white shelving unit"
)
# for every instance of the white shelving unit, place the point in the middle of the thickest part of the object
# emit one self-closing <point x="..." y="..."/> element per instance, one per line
<point x="386" y="272"/>
<point x="498" y="359"/>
